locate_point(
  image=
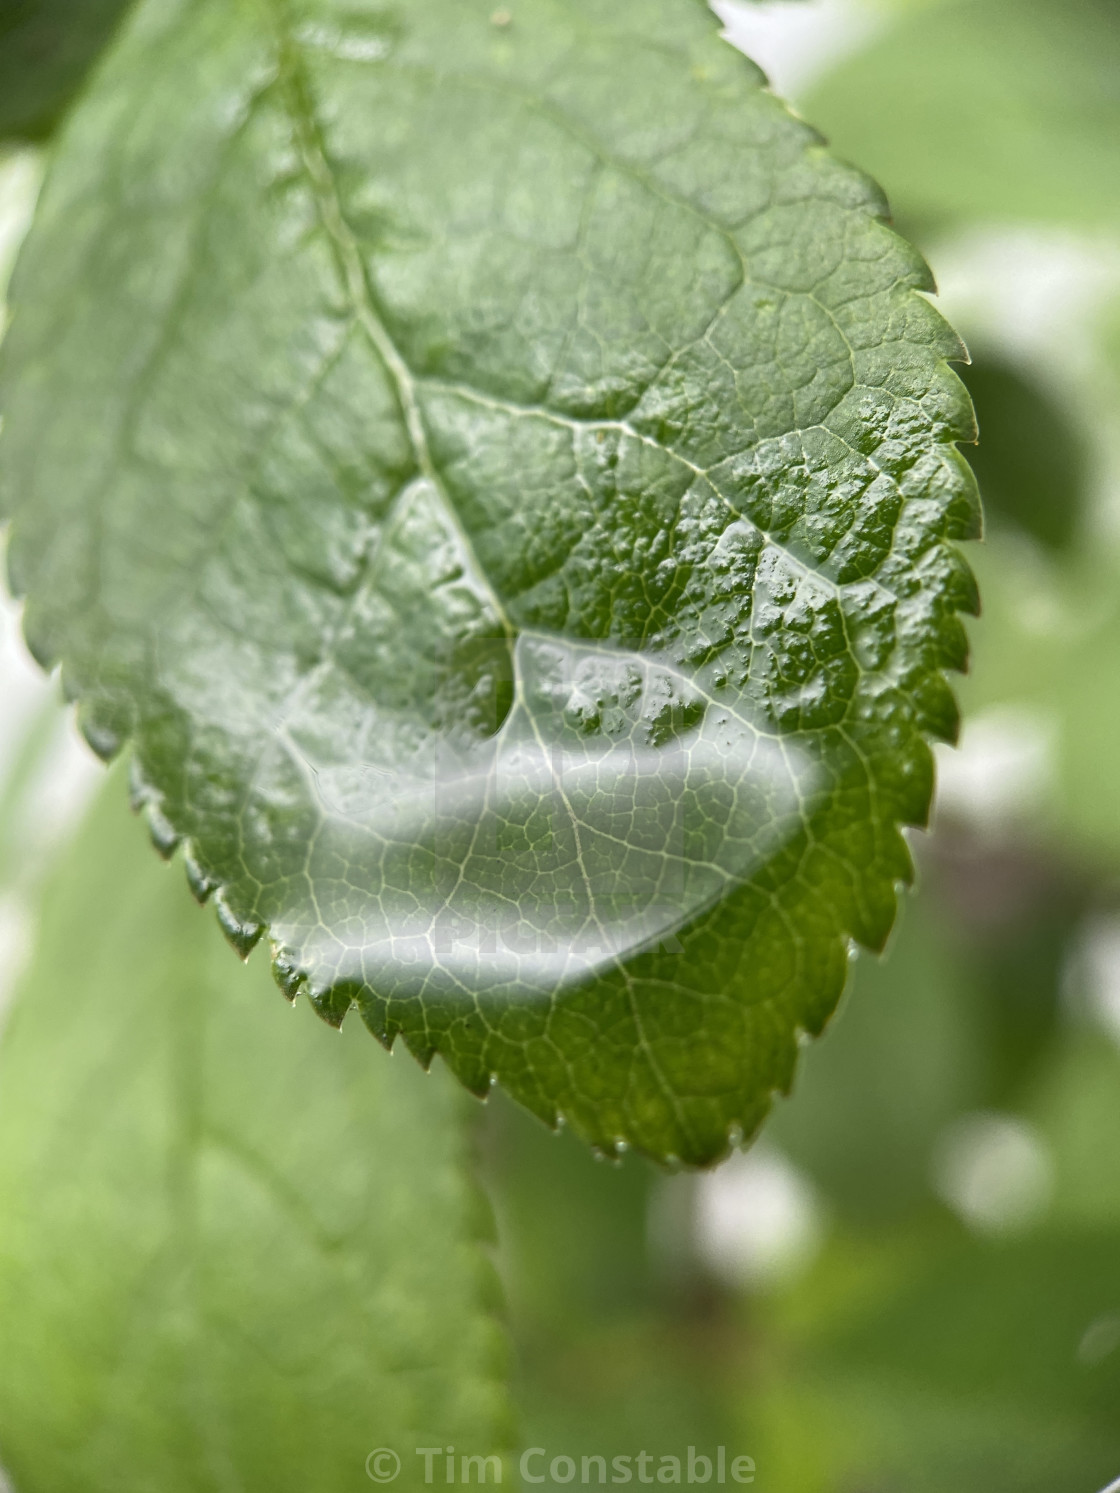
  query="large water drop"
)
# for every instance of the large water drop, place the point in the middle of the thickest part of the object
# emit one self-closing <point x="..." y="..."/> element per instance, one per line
<point x="618" y="801"/>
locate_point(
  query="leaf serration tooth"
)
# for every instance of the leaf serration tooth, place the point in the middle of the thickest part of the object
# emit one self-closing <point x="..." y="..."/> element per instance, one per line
<point x="201" y="883"/>
<point x="242" y="933"/>
<point x="103" y="741"/>
<point x="139" y="789"/>
<point x="164" y="836"/>
<point x="332" y="1003"/>
<point x="287" y="975"/>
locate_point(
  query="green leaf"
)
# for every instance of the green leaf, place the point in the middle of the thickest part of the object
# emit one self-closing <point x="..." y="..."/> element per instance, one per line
<point x="46" y="49"/>
<point x="498" y="470"/>
<point x="237" y="1249"/>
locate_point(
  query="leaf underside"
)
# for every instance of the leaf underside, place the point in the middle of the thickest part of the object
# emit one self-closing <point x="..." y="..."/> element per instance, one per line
<point x="498" y="472"/>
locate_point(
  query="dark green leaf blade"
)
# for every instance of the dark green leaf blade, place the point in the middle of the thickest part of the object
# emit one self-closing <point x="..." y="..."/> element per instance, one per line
<point x="502" y="477"/>
<point x="236" y="1249"/>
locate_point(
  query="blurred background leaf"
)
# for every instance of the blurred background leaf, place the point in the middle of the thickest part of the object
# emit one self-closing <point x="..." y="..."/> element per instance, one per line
<point x="46" y="49"/>
<point x="984" y="110"/>
<point x="237" y="1249"/>
<point x="1031" y="463"/>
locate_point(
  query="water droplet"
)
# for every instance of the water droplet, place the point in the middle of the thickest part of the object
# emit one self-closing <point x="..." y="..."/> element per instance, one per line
<point x="614" y="806"/>
<point x="287" y="975"/>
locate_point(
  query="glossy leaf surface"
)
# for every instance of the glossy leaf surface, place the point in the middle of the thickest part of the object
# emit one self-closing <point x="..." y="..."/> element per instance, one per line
<point x="497" y="469"/>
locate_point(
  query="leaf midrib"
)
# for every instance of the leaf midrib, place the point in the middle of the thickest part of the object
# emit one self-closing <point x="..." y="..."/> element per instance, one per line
<point x="313" y="155"/>
<point x="309" y="136"/>
<point x="328" y="203"/>
<point x="325" y="189"/>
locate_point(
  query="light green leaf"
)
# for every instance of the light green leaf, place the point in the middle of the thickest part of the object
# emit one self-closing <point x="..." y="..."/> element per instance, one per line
<point x="973" y="111"/>
<point x="497" y="469"/>
<point x="237" y="1249"/>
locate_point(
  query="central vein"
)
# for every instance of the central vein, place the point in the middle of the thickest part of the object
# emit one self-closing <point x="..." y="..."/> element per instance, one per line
<point x="349" y="258"/>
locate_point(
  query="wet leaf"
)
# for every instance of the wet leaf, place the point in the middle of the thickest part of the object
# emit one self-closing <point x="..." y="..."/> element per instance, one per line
<point x="236" y="1249"/>
<point x="497" y="470"/>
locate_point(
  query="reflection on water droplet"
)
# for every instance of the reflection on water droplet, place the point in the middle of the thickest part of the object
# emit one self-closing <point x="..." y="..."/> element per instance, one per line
<point x="1099" y="1340"/>
<point x="618" y="801"/>
<point x="355" y="44"/>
